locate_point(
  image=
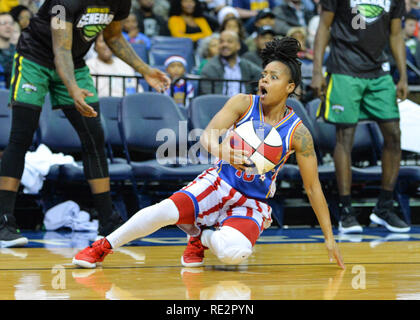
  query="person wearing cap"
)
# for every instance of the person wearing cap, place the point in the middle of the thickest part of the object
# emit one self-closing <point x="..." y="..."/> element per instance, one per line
<point x="265" y="34"/>
<point x="226" y="12"/>
<point x="265" y="17"/>
<point x="180" y="90"/>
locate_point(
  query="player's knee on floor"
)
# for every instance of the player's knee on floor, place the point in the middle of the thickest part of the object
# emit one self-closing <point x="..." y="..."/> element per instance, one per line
<point x="230" y="245"/>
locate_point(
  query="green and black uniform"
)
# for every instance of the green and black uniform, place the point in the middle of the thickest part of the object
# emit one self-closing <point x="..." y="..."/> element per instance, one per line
<point x="34" y="73"/>
<point x="360" y="86"/>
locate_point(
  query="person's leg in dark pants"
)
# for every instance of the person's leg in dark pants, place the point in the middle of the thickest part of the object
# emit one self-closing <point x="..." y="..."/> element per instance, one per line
<point x="95" y="165"/>
<point x="383" y="212"/>
<point x="24" y="124"/>
<point x="342" y="160"/>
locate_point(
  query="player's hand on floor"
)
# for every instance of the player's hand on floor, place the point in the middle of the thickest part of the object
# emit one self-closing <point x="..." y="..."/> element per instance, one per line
<point x="79" y="95"/>
<point x="334" y="253"/>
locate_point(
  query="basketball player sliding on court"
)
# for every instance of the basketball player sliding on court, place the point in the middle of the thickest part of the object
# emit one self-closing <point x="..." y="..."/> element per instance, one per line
<point x="227" y="197"/>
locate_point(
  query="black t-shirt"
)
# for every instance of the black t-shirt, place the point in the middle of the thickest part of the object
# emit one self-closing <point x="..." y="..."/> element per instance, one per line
<point x="359" y="35"/>
<point x="89" y="18"/>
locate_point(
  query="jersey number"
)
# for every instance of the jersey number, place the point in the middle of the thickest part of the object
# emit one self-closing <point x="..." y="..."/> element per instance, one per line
<point x="244" y="176"/>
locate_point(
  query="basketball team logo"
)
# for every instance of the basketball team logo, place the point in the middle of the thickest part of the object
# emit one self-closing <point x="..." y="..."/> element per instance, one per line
<point x="94" y="21"/>
<point x="370" y="10"/>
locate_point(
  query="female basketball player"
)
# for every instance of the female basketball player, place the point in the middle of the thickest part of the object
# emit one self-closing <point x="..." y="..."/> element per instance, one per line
<point x="226" y="196"/>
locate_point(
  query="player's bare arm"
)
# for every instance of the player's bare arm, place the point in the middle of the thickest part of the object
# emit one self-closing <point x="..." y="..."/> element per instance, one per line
<point x="62" y="41"/>
<point x="123" y="50"/>
<point x="396" y="41"/>
<point x="307" y="162"/>
<point x="234" y="108"/>
<point x="321" y="42"/>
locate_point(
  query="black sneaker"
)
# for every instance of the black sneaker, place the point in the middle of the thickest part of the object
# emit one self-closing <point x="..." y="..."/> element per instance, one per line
<point x="348" y="222"/>
<point x="113" y="223"/>
<point x="385" y="216"/>
<point x="9" y="235"/>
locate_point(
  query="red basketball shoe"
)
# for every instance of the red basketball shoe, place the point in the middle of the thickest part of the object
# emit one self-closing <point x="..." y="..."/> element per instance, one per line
<point x="194" y="253"/>
<point x="95" y="253"/>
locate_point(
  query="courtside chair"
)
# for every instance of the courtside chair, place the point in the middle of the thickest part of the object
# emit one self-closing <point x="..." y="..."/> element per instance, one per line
<point x="142" y="51"/>
<point x="153" y="124"/>
<point x="5" y="118"/>
<point x="173" y="42"/>
<point x="203" y="108"/>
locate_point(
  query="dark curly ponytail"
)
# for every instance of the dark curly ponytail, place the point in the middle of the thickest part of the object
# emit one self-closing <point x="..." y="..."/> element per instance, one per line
<point x="284" y="50"/>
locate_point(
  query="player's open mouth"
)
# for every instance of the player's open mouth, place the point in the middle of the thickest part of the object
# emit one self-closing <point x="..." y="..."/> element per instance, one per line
<point x="263" y="91"/>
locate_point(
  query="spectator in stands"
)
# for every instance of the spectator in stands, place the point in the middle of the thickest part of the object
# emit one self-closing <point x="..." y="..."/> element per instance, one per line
<point x="265" y="17"/>
<point x="307" y="4"/>
<point x="227" y="65"/>
<point x="306" y="56"/>
<point x="7" y="49"/>
<point x="235" y="24"/>
<point x="414" y="8"/>
<point x="180" y="90"/>
<point x="265" y="34"/>
<point x="186" y="20"/>
<point x="412" y="45"/>
<point x="107" y="64"/>
<point x="361" y="88"/>
<point x="291" y="14"/>
<point x="32" y="5"/>
<point x="22" y="15"/>
<point x="313" y="26"/>
<point x="250" y="8"/>
<point x="7" y="5"/>
<point x="207" y="49"/>
<point x="150" y="23"/>
<point x="132" y="33"/>
<point x="300" y="34"/>
<point x="15" y="34"/>
<point x="226" y="12"/>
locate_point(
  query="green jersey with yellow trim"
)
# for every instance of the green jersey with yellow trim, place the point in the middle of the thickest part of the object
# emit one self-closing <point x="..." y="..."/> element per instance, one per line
<point x="89" y="18"/>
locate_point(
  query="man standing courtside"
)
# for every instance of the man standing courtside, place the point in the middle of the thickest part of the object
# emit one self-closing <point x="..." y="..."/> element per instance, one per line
<point x="359" y="87"/>
<point x="49" y="58"/>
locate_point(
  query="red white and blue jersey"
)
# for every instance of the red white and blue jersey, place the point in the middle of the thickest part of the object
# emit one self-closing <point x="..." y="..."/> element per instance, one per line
<point x="263" y="186"/>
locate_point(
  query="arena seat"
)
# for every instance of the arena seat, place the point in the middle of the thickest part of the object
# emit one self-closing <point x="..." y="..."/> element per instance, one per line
<point x="141" y="50"/>
<point x="172" y="42"/>
<point x="152" y="123"/>
<point x="109" y="112"/>
<point x="203" y="108"/>
<point x="5" y="118"/>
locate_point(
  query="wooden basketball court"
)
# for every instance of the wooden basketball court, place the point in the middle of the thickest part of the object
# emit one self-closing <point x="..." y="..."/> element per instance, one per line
<point x="284" y="265"/>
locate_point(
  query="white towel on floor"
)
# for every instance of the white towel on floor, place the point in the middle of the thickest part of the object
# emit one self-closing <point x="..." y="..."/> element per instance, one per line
<point x="69" y="215"/>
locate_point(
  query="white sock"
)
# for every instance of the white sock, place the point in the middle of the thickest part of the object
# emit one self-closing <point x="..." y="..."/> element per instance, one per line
<point x="145" y="222"/>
